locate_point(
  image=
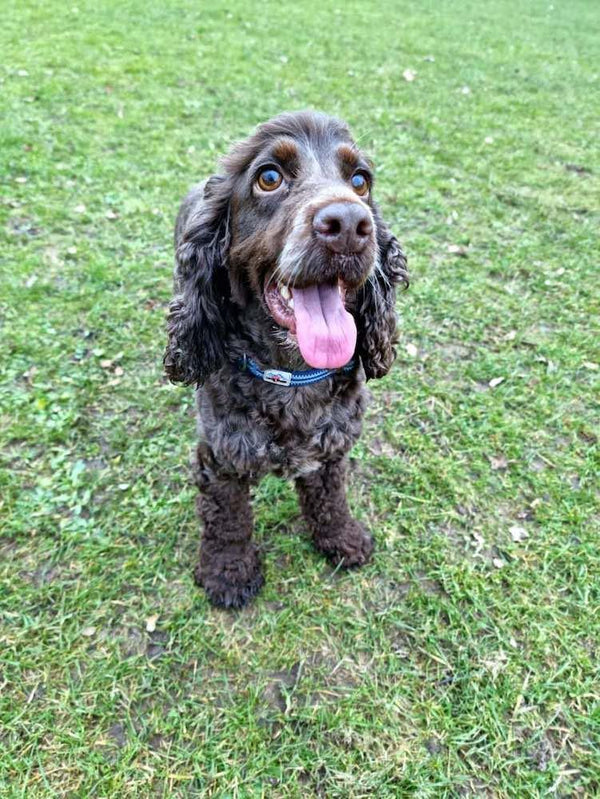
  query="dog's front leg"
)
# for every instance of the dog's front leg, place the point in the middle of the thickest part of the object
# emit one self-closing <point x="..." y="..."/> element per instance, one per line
<point x="229" y="569"/>
<point x="341" y="538"/>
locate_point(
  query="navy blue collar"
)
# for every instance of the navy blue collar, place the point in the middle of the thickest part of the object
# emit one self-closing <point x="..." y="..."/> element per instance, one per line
<point x="282" y="378"/>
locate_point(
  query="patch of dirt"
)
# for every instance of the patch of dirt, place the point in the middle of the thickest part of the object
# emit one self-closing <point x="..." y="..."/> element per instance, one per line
<point x="157" y="644"/>
<point x="117" y="735"/>
<point x="23" y="226"/>
<point x="280" y="681"/>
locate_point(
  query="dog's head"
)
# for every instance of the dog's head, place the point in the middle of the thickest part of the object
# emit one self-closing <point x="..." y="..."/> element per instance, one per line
<point x="290" y="225"/>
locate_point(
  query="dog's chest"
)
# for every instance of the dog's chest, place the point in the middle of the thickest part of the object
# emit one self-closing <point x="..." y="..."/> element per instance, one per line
<point x="251" y="432"/>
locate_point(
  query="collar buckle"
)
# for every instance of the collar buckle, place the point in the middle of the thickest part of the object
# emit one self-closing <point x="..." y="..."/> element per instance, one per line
<point x="278" y="377"/>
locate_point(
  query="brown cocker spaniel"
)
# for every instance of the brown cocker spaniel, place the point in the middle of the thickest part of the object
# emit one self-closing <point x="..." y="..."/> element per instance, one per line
<point x="283" y="307"/>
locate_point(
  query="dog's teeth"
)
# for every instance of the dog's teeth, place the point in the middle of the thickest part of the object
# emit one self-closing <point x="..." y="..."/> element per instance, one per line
<point x="285" y="292"/>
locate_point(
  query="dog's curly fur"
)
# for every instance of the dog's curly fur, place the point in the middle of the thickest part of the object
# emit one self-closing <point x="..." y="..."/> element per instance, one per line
<point x="230" y="244"/>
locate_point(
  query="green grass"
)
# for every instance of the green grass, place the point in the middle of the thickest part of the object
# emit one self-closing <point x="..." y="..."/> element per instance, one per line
<point x="459" y="662"/>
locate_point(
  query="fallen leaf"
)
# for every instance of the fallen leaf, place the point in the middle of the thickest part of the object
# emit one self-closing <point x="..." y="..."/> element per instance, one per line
<point x="119" y="372"/>
<point x="151" y="623"/>
<point x="495" y="381"/>
<point x="88" y="631"/>
<point x="497" y="663"/>
<point x="21" y="179"/>
<point x="106" y="363"/>
<point x="412" y="350"/>
<point x="110" y="214"/>
<point x="518" y="533"/>
<point x="458" y="249"/>
<point x="498" y="464"/>
<point x="409" y="75"/>
<point x="511" y="335"/>
<point x="498" y="563"/>
<point x="590" y="365"/>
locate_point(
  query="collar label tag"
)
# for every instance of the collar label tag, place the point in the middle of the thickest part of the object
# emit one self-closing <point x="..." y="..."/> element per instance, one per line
<point x="278" y="377"/>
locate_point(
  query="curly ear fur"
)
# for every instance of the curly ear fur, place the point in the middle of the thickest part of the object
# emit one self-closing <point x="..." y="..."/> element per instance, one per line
<point x="376" y="320"/>
<point x="200" y="312"/>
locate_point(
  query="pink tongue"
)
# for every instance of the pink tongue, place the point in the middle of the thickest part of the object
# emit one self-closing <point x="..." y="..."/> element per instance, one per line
<point x="326" y="331"/>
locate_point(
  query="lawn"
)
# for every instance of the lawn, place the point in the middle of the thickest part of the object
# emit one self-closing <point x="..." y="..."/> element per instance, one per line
<point x="463" y="660"/>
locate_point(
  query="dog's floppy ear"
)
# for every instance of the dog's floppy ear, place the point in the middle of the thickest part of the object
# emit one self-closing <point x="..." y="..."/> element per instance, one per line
<point x="376" y="312"/>
<point x="200" y="313"/>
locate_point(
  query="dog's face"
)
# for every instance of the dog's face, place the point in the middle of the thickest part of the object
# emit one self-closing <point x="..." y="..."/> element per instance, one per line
<point x="290" y="225"/>
<point x="303" y="231"/>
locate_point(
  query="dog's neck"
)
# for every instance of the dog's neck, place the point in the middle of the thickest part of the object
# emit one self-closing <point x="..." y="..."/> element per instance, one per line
<point x="259" y="337"/>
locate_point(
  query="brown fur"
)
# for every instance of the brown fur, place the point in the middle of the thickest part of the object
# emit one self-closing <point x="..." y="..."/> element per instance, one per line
<point x="229" y="245"/>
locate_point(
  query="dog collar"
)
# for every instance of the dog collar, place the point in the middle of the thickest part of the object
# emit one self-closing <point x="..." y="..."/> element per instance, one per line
<point x="279" y="377"/>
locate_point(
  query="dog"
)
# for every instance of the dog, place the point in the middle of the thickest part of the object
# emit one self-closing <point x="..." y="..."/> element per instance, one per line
<point x="284" y="306"/>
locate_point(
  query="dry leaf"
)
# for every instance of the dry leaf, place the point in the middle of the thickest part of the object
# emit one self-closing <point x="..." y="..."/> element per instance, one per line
<point x="590" y="365"/>
<point x="499" y="464"/>
<point x="110" y="214"/>
<point x="497" y="663"/>
<point x="119" y="372"/>
<point x="88" y="631"/>
<point x="511" y="335"/>
<point x="495" y="381"/>
<point x="412" y="350"/>
<point x="409" y="75"/>
<point x="105" y="363"/>
<point x="151" y="623"/>
<point x="21" y="179"/>
<point x="518" y="533"/>
<point x="498" y="563"/>
<point x="458" y="249"/>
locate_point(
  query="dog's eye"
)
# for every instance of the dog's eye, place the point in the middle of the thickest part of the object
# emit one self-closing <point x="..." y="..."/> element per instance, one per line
<point x="360" y="184"/>
<point x="269" y="179"/>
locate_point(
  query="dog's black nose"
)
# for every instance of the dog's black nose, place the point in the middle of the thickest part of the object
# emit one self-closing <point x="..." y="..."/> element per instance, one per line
<point x="343" y="227"/>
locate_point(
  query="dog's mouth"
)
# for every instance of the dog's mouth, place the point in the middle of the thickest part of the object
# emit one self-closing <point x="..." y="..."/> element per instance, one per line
<point x="316" y="315"/>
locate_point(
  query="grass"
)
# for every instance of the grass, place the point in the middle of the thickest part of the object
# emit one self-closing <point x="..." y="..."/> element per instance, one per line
<point x="460" y="662"/>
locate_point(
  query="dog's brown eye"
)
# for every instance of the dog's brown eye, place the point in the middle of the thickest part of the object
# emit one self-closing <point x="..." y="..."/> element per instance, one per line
<point x="360" y="184"/>
<point x="269" y="179"/>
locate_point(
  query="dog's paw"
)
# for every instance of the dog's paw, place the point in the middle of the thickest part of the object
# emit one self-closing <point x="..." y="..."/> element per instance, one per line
<point x="351" y="546"/>
<point x="229" y="582"/>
